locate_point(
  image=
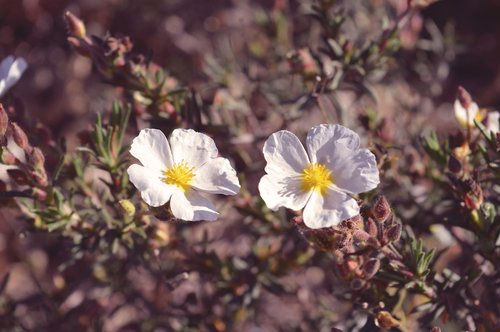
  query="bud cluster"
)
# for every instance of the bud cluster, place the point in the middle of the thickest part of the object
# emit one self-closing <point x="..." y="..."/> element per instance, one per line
<point x="147" y="83"/>
<point x="25" y="163"/>
<point x="358" y="243"/>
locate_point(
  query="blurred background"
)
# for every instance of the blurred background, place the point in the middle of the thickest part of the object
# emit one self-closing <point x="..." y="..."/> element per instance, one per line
<point x="450" y="43"/>
<point x="179" y="34"/>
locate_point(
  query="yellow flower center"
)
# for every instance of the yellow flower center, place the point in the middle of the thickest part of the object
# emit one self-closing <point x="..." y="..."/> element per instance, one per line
<point x="316" y="177"/>
<point x="180" y="175"/>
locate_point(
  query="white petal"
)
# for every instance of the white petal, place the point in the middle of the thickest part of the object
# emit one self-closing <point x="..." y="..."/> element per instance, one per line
<point x="192" y="207"/>
<point x="152" y="149"/>
<point x="217" y="176"/>
<point x="284" y="154"/>
<point x="2" y="87"/>
<point x="286" y="192"/>
<point x="329" y="210"/>
<point x="11" y="72"/>
<point x="192" y="147"/>
<point x="465" y="116"/>
<point x="493" y="121"/>
<point x="153" y="191"/>
<point x="5" y="65"/>
<point x="323" y="139"/>
<point x="15" y="72"/>
<point x="16" y="150"/>
<point x="4" y="176"/>
<point x="355" y="171"/>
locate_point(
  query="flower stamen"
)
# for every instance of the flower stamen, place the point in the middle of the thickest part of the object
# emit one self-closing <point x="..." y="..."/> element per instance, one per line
<point x="316" y="177"/>
<point x="179" y="175"/>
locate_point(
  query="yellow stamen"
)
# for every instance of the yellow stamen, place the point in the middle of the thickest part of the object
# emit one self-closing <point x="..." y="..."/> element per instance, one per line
<point x="316" y="177"/>
<point x="180" y="175"/>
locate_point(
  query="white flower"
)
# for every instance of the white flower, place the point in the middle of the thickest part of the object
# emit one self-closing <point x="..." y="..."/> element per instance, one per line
<point x="179" y="171"/>
<point x="466" y="116"/>
<point x="11" y="71"/>
<point x="322" y="180"/>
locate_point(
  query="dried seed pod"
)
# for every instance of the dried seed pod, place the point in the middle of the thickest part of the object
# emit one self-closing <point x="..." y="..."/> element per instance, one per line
<point x="381" y="210"/>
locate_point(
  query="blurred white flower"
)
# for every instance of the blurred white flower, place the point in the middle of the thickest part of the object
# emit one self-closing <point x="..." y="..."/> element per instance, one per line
<point x="322" y="180"/>
<point x="179" y="171"/>
<point x="466" y="110"/>
<point x="11" y="71"/>
<point x="466" y="116"/>
<point x="492" y="121"/>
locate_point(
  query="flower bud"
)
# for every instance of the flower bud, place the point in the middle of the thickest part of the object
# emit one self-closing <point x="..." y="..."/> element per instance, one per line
<point x="371" y="267"/>
<point x="464" y="97"/>
<point x="39" y="194"/>
<point x="381" y="210"/>
<point x="394" y="233"/>
<point x="7" y="157"/>
<point x="19" y="136"/>
<point x="40" y="177"/>
<point x="385" y="320"/>
<point x="75" y="25"/>
<point x="4" y="121"/>
<point x="436" y="329"/>
<point x="36" y="158"/>
<point x="127" y="207"/>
